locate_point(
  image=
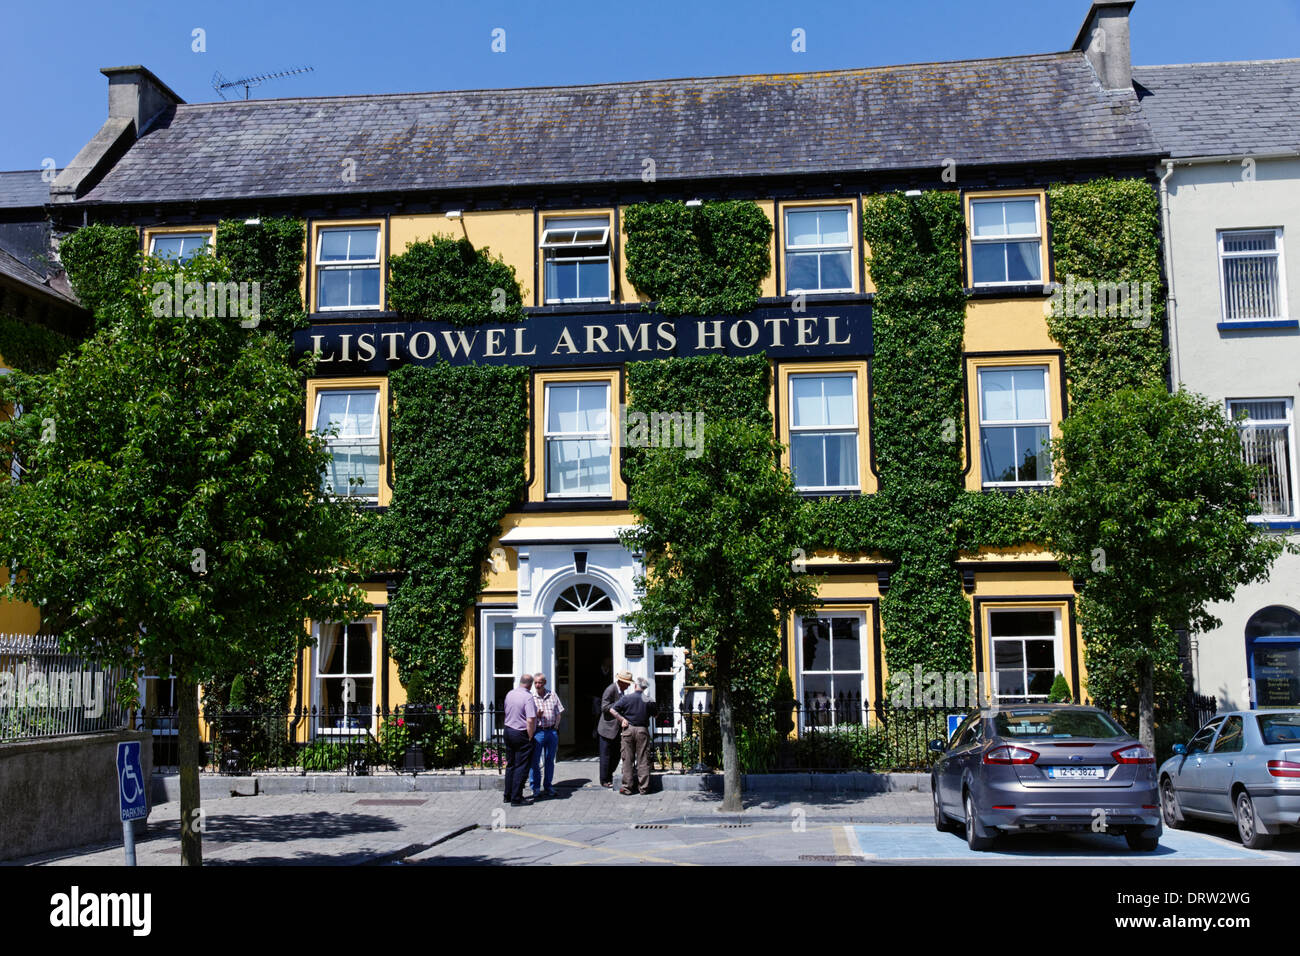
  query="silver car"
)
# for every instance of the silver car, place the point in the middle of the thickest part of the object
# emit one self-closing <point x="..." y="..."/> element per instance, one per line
<point x="1045" y="767"/>
<point x="1242" y="766"/>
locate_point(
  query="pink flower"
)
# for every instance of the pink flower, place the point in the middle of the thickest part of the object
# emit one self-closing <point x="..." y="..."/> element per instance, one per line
<point x="401" y="722"/>
<point x="440" y="706"/>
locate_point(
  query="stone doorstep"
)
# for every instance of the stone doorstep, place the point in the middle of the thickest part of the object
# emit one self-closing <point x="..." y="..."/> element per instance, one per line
<point x="166" y="788"/>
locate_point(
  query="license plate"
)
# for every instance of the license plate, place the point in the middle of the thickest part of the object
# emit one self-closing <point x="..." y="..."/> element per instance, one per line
<point x="1077" y="773"/>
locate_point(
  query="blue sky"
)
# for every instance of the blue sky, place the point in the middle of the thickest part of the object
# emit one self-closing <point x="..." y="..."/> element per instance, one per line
<point x="50" y="55"/>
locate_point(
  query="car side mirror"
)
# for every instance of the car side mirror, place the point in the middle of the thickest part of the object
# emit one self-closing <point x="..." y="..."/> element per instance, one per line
<point x="938" y="746"/>
<point x="1180" y="750"/>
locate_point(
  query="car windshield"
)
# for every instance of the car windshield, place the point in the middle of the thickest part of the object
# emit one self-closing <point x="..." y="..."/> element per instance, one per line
<point x="1281" y="728"/>
<point x="1056" y="724"/>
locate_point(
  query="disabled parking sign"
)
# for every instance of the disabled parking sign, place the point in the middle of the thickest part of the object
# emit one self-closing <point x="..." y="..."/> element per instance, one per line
<point x="130" y="782"/>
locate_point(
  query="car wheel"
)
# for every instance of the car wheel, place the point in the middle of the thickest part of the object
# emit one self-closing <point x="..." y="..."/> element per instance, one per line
<point x="941" y="821"/>
<point x="1248" y="823"/>
<point x="1143" y="839"/>
<point x="1169" y="808"/>
<point x="973" y="838"/>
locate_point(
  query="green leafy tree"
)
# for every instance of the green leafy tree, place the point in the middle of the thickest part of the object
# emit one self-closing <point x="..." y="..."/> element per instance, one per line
<point x="718" y="531"/>
<point x="169" y="507"/>
<point x="1152" y="517"/>
<point x="1060" y="692"/>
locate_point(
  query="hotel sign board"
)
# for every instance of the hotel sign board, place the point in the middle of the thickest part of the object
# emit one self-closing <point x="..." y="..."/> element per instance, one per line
<point x="597" y="338"/>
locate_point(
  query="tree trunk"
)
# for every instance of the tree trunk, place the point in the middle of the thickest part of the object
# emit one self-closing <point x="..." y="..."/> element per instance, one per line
<point x="1147" y="706"/>
<point x="191" y="820"/>
<point x="732" y="799"/>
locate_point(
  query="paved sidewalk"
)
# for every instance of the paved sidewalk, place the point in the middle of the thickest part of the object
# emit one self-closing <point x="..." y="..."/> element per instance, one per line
<point x="356" y="828"/>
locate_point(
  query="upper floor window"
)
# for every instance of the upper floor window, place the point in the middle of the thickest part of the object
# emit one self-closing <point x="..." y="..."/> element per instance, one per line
<point x="180" y="246"/>
<point x="1265" y="426"/>
<point x="347" y="268"/>
<point x="576" y="261"/>
<point x="577" y="440"/>
<point x="1006" y="241"/>
<point x="818" y="250"/>
<point x="1015" y="427"/>
<point x="1251" y="265"/>
<point x="824" y="432"/>
<point x="350" y="419"/>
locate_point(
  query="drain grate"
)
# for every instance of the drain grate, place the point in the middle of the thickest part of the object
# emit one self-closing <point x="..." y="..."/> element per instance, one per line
<point x="734" y="826"/>
<point x="650" y="826"/>
<point x="828" y="858"/>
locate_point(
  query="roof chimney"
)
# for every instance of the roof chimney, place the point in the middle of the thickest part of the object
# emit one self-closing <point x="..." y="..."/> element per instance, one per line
<point x="136" y="98"/>
<point x="1104" y="40"/>
<point x="134" y="93"/>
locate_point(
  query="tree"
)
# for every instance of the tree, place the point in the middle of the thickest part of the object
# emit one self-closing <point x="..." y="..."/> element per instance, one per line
<point x="169" y="512"/>
<point x="718" y="530"/>
<point x="1152" y="517"/>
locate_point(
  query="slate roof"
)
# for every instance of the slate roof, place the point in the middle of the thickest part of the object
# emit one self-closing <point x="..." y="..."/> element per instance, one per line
<point x="1222" y="109"/>
<point x="19" y="271"/>
<point x="1024" y="109"/>
<point x="23" y="188"/>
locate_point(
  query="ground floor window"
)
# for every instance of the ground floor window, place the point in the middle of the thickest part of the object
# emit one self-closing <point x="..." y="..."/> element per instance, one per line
<point x="1025" y="648"/>
<point x="831" y="670"/>
<point x="503" y="661"/>
<point x="345" y="676"/>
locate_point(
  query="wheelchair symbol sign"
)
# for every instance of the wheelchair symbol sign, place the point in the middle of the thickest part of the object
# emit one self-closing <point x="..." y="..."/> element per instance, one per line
<point x="130" y="782"/>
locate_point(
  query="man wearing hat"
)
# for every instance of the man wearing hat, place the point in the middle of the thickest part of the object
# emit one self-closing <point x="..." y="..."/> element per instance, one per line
<point x="610" y="727"/>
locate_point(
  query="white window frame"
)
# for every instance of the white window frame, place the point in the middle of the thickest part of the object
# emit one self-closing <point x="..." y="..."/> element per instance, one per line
<point x="1027" y="422"/>
<point x="554" y="242"/>
<point x="1058" y="649"/>
<point x="319" y="730"/>
<point x="817" y="247"/>
<point x="548" y="436"/>
<point x="826" y="430"/>
<point x="205" y="235"/>
<point x="367" y="440"/>
<point x="491" y="621"/>
<point x="1277" y="253"/>
<point x="1036" y="235"/>
<point x="376" y="263"/>
<point x="166" y="726"/>
<point x="831" y="613"/>
<point x="674" y="730"/>
<point x="1289" y="422"/>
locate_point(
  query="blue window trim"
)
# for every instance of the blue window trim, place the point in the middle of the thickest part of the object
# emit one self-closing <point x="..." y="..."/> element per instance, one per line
<point x="1255" y="325"/>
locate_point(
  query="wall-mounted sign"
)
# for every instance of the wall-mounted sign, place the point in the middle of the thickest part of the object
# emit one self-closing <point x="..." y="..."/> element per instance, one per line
<point x="600" y="338"/>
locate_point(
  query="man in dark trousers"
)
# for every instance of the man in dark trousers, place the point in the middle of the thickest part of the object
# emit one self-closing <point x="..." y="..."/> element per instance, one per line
<point x="634" y="711"/>
<point x="521" y="724"/>
<point x="609" y="727"/>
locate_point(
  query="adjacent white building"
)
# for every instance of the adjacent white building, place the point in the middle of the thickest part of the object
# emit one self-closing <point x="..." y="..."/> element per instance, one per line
<point x="1230" y="193"/>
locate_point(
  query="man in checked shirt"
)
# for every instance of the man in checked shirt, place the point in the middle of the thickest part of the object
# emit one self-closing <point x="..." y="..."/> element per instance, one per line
<point x="549" y="713"/>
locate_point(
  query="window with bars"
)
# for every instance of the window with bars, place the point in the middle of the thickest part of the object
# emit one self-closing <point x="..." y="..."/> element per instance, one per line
<point x="350" y="420"/>
<point x="1252" y="272"/>
<point x="1265" y="428"/>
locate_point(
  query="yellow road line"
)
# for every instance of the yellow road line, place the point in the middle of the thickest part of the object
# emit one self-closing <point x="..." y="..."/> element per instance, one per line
<point x="590" y="846"/>
<point x="842" y="848"/>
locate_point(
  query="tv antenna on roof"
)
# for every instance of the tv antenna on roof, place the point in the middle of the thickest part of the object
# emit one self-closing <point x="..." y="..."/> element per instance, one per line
<point x="221" y="84"/>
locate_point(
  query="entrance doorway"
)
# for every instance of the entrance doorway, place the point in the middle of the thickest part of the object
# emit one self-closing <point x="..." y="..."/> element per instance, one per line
<point x="584" y="668"/>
